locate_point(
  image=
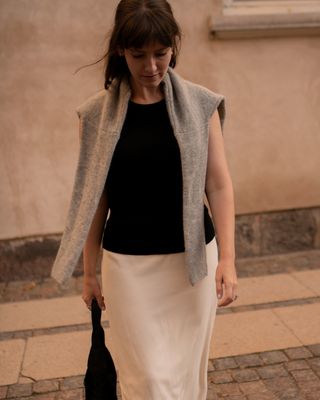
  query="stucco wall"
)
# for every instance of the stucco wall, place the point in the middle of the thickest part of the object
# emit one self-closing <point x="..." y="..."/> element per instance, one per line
<point x="272" y="90"/>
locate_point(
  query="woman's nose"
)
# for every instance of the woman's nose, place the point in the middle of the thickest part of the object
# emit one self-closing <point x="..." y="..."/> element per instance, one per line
<point x="151" y="65"/>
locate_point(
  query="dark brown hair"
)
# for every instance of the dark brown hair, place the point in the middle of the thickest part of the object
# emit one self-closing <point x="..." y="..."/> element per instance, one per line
<point x="138" y="23"/>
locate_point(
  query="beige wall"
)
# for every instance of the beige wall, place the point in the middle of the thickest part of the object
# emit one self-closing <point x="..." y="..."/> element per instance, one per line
<point x="272" y="90"/>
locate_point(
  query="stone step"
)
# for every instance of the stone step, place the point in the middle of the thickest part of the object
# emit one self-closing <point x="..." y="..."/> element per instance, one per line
<point x="263" y="330"/>
<point x="71" y="310"/>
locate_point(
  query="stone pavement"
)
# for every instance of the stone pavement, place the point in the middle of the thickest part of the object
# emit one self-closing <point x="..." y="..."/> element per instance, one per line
<point x="265" y="345"/>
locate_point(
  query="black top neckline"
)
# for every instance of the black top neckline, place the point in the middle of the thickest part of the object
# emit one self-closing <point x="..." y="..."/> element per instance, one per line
<point x="134" y="104"/>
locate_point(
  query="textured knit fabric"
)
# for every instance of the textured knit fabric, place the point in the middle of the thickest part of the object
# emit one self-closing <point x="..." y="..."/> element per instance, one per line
<point x="160" y="326"/>
<point x="144" y="186"/>
<point x="190" y="107"/>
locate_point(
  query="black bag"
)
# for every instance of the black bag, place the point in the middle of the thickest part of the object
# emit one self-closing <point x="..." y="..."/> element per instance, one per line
<point x="100" y="381"/>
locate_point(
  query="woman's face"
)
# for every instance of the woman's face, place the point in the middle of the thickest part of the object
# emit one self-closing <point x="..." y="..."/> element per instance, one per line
<point x="148" y="65"/>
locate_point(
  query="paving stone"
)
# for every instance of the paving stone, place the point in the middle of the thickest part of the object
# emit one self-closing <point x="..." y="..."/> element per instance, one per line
<point x="272" y="357"/>
<point x="257" y="331"/>
<point x="224" y="363"/>
<point x="44" y="313"/>
<point x="210" y="366"/>
<point x="245" y="375"/>
<point x="74" y="394"/>
<point x="3" y="392"/>
<point x="272" y="371"/>
<point x="212" y="395"/>
<point x="252" y="387"/>
<point x="315" y="349"/>
<point x="315" y="365"/>
<point x="249" y="360"/>
<point x="303" y="321"/>
<point x="73" y="382"/>
<point x="297" y="353"/>
<point x="304" y="375"/>
<point x="269" y="288"/>
<point x="291" y="394"/>
<point x="220" y="377"/>
<point x="280" y="385"/>
<point x="296" y="364"/>
<point x="47" y="396"/>
<point x="46" y="386"/>
<point x="310" y="279"/>
<point x="312" y="396"/>
<point x="6" y="335"/>
<point x="261" y="396"/>
<point x="307" y="380"/>
<point x="11" y="355"/>
<point x="19" y="390"/>
<point x="225" y="389"/>
<point x="67" y="354"/>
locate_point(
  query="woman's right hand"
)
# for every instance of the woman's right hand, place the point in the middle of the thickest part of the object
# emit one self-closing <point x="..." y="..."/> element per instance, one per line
<point x="91" y="289"/>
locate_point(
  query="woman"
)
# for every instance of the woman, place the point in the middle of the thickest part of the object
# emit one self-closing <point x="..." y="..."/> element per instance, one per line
<point x="151" y="154"/>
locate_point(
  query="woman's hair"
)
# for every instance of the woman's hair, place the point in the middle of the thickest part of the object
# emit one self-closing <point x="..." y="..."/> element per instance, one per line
<point x="138" y="23"/>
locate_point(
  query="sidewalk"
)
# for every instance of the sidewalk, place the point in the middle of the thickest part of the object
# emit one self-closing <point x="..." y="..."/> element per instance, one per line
<point x="265" y="346"/>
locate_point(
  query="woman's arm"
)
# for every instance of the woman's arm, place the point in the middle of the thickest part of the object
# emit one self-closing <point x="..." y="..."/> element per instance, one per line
<point x="219" y="192"/>
<point x="92" y="248"/>
<point x="92" y="245"/>
<point x="91" y="252"/>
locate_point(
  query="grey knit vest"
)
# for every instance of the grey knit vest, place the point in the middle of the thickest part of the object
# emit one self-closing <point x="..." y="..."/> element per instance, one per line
<point x="190" y="107"/>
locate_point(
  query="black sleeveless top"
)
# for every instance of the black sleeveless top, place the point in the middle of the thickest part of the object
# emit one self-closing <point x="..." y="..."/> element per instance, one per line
<point x="144" y="186"/>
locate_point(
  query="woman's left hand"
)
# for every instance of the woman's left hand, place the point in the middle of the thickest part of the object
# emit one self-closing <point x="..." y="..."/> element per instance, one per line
<point x="226" y="282"/>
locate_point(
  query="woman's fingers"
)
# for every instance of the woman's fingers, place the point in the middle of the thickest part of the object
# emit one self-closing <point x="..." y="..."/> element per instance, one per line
<point x="228" y="295"/>
<point x="100" y="300"/>
<point x="219" y="288"/>
<point x="226" y="283"/>
<point x="88" y="300"/>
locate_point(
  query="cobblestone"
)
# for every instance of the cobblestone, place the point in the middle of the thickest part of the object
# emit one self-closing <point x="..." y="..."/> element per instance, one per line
<point x="280" y="385"/>
<point x="315" y="349"/>
<point x="220" y="377"/>
<point x="74" y="394"/>
<point x="262" y="396"/>
<point x="255" y="387"/>
<point x="3" y="392"/>
<point x="298" y="352"/>
<point x="255" y="376"/>
<point x="19" y="390"/>
<point x="245" y="375"/>
<point x="296" y="364"/>
<point x="45" y="386"/>
<point x="315" y="365"/>
<point x="74" y="382"/>
<point x="272" y="371"/>
<point x="272" y="357"/>
<point x="249" y="360"/>
<point x="224" y="363"/>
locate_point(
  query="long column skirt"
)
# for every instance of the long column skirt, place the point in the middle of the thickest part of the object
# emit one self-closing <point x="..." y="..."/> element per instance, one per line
<point x="160" y="325"/>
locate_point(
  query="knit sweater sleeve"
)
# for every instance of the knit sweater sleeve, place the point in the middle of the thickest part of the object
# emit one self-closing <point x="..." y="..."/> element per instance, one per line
<point x="91" y="107"/>
<point x="211" y="101"/>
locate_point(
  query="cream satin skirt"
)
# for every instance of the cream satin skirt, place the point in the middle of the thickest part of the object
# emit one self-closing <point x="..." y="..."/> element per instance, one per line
<point x="160" y="325"/>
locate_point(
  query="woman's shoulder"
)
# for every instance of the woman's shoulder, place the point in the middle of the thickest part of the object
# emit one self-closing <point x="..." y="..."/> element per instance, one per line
<point x="91" y="105"/>
<point x="205" y="99"/>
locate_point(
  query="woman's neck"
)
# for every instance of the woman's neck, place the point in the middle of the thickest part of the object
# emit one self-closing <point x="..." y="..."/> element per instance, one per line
<point x="146" y="95"/>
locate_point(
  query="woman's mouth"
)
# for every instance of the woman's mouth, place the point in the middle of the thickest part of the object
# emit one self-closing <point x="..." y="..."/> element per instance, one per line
<point x="149" y="76"/>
